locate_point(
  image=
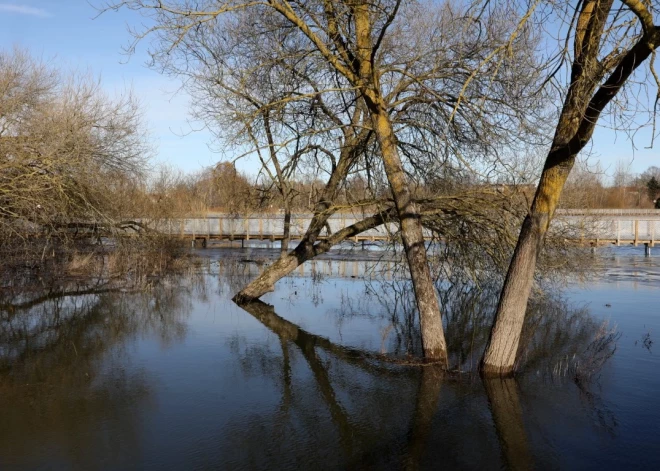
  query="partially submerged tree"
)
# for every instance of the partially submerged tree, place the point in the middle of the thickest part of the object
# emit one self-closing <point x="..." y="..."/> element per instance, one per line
<point x="427" y="83"/>
<point x="609" y="44"/>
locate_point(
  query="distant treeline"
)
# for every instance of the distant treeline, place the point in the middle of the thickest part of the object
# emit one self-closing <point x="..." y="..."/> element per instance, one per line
<point x="224" y="189"/>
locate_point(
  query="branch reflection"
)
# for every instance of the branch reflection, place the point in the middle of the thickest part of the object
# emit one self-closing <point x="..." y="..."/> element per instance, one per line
<point x="65" y="370"/>
<point x="367" y="395"/>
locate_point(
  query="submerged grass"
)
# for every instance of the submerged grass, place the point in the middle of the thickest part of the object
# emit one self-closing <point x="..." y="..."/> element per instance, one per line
<point x="131" y="263"/>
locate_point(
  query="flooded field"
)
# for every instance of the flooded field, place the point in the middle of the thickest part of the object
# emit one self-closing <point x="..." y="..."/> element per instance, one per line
<point x="322" y="375"/>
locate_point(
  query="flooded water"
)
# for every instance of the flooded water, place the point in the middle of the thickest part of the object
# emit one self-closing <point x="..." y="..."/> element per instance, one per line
<point x="179" y="377"/>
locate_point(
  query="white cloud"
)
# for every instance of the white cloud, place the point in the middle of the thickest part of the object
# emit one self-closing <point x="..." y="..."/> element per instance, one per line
<point x="23" y="10"/>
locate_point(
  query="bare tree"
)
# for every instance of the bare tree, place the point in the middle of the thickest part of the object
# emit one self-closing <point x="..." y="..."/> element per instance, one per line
<point x="430" y="84"/>
<point x="609" y="45"/>
<point x="64" y="145"/>
<point x="584" y="187"/>
<point x="649" y="173"/>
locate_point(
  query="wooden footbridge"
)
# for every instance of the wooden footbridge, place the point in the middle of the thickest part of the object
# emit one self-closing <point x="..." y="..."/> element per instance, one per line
<point x="595" y="227"/>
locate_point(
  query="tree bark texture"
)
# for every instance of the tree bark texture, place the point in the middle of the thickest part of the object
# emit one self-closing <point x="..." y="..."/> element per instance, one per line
<point x="430" y="320"/>
<point x="307" y="247"/>
<point x="500" y="354"/>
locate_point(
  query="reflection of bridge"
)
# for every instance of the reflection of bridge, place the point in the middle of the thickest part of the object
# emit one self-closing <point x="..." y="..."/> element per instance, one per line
<point x="384" y="268"/>
<point x="592" y="226"/>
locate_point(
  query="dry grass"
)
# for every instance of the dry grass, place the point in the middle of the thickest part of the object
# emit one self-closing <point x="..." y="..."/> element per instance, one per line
<point x="133" y="262"/>
<point x="80" y="263"/>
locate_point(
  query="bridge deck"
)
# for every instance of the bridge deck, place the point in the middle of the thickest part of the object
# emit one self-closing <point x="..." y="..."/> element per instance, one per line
<point x="593" y="227"/>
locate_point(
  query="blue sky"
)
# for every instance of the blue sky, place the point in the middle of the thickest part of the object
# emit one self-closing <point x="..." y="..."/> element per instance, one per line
<point x="65" y="32"/>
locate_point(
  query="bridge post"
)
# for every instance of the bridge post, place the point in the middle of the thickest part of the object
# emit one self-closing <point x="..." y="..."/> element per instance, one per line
<point x="652" y="233"/>
<point x="246" y="226"/>
<point x="261" y="228"/>
<point x="636" y="232"/>
<point x="582" y="232"/>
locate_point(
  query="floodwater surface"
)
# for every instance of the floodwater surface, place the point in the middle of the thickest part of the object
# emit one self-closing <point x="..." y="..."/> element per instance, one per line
<point x="323" y="375"/>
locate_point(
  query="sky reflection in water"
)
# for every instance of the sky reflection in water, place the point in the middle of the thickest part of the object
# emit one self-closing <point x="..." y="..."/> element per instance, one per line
<point x="182" y="378"/>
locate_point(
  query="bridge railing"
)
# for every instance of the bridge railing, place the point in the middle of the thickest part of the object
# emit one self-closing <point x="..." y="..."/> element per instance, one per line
<point x="591" y="225"/>
<point x="608" y="212"/>
<point x="265" y="226"/>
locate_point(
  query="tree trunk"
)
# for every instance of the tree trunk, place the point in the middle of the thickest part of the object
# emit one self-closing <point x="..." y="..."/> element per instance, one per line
<point x="433" y="336"/>
<point x="286" y="237"/>
<point x="430" y="320"/>
<point x="305" y="250"/>
<point x="584" y="102"/>
<point x="500" y="355"/>
<point x="265" y="282"/>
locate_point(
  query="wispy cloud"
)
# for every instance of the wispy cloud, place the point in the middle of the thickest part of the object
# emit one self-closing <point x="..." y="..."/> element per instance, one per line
<point x="23" y="10"/>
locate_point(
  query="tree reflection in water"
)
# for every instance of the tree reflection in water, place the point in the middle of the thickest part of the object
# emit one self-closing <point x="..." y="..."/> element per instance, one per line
<point x="68" y="372"/>
<point x="368" y="397"/>
<point x="558" y="340"/>
<point x="63" y="369"/>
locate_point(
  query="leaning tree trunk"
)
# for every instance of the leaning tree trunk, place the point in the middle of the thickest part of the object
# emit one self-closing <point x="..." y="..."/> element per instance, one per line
<point x="305" y="250"/>
<point x="581" y="111"/>
<point x="500" y="356"/>
<point x="265" y="282"/>
<point x="286" y="237"/>
<point x="430" y="321"/>
<point x="433" y="336"/>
